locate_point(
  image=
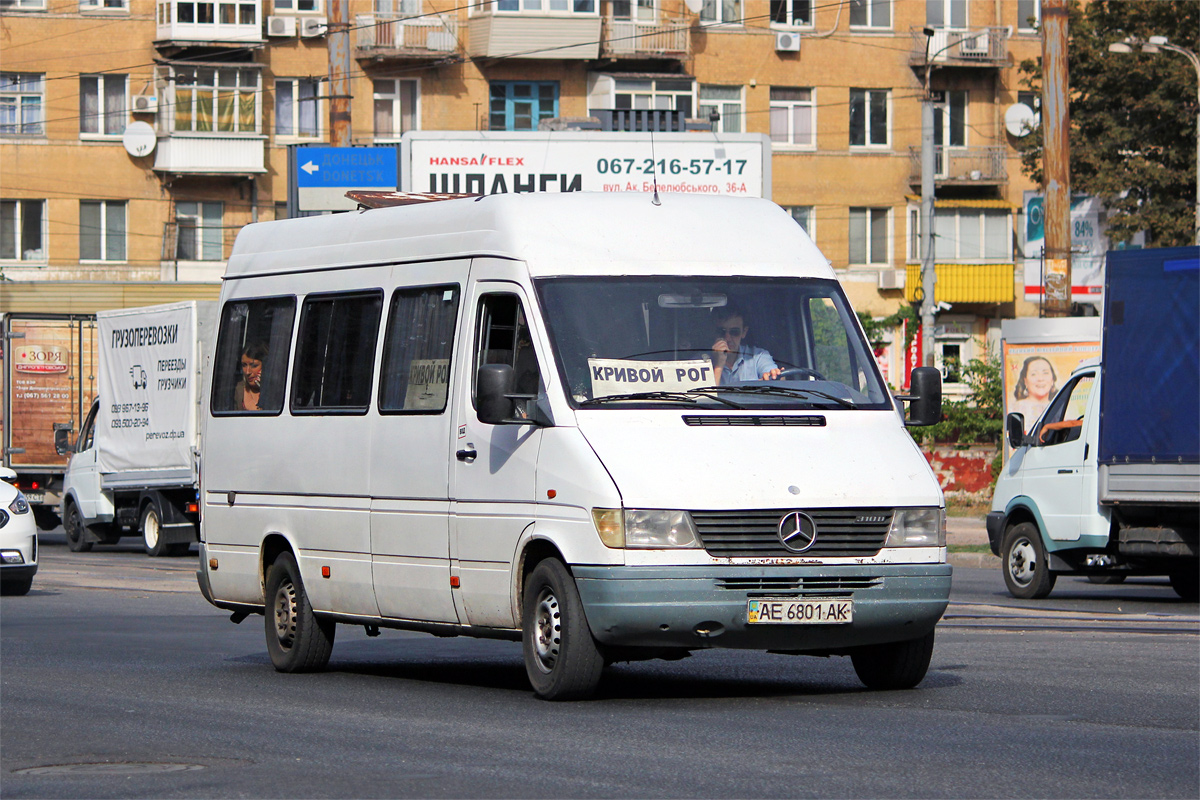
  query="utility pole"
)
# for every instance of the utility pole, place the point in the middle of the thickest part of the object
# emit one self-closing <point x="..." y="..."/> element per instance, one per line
<point x="1056" y="159"/>
<point x="928" y="170"/>
<point x="338" y="37"/>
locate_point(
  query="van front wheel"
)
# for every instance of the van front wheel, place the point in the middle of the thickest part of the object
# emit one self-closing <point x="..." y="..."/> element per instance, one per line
<point x="897" y="665"/>
<point x="561" y="657"/>
<point x="297" y="640"/>
<point x="1026" y="571"/>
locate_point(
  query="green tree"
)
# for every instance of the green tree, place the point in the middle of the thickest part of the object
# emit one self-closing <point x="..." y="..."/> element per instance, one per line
<point x="1133" y="117"/>
<point x="979" y="417"/>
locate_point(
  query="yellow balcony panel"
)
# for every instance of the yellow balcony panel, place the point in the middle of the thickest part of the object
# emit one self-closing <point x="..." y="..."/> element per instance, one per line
<point x="965" y="283"/>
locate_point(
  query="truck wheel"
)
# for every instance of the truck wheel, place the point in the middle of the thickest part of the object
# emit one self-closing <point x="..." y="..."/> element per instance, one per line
<point x="77" y="540"/>
<point x="561" y="657"/>
<point x="1186" y="584"/>
<point x="297" y="640"/>
<point x="896" y="665"/>
<point x="151" y="528"/>
<point x="1026" y="571"/>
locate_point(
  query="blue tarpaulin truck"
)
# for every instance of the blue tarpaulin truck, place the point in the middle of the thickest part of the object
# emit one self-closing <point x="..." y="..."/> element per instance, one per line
<point x="1107" y="482"/>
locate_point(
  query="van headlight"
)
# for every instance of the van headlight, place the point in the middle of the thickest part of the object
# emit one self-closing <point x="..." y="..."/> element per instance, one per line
<point x="645" y="529"/>
<point x="19" y="505"/>
<point x="918" y="527"/>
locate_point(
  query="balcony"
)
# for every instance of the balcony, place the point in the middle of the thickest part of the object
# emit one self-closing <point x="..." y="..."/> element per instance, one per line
<point x="571" y="37"/>
<point x="965" y="283"/>
<point x="184" y="22"/>
<point x="624" y="38"/>
<point x="399" y="36"/>
<point x="197" y="154"/>
<point x="978" y="47"/>
<point x="629" y="120"/>
<point x="962" y="166"/>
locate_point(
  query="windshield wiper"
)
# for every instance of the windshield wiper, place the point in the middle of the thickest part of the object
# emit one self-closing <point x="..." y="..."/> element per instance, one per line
<point x="668" y="397"/>
<point x="799" y="392"/>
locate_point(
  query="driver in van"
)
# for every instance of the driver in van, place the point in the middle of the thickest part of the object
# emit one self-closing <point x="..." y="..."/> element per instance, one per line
<point x="734" y="362"/>
<point x="246" y="394"/>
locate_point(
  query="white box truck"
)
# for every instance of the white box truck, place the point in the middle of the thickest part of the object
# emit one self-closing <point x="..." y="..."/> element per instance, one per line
<point x="133" y="468"/>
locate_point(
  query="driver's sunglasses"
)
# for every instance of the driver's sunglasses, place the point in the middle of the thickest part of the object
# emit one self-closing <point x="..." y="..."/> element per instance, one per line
<point x="729" y="331"/>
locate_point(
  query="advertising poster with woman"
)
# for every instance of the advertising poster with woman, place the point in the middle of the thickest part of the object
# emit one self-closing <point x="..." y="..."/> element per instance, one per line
<point x="1033" y="373"/>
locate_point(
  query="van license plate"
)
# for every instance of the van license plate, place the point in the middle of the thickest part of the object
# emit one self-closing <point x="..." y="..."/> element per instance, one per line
<point x="785" y="611"/>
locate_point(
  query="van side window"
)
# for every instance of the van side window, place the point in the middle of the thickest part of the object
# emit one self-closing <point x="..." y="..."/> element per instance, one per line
<point x="417" y="345"/>
<point x="335" y="353"/>
<point x="250" y="370"/>
<point x="1063" y="421"/>
<point x="503" y="338"/>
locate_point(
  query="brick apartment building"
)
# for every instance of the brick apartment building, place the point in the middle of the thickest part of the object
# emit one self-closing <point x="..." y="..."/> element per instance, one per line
<point x="228" y="85"/>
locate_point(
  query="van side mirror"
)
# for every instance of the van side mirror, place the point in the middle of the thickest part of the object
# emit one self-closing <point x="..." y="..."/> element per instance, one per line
<point x="62" y="438"/>
<point x="1014" y="424"/>
<point x="493" y="384"/>
<point x="925" y="399"/>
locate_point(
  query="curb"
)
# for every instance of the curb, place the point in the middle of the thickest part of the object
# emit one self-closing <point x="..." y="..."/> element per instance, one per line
<point x="974" y="560"/>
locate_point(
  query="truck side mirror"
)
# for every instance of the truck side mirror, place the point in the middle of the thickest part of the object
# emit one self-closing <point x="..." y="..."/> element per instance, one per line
<point x="1014" y="424"/>
<point x="493" y="383"/>
<point x="62" y="439"/>
<point x="925" y="400"/>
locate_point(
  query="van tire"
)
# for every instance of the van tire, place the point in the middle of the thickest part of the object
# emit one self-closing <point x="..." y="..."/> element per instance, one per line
<point x="151" y="530"/>
<point x="297" y="639"/>
<point x="1186" y="584"/>
<point x="561" y="657"/>
<point x="77" y="541"/>
<point x="1023" y="560"/>
<point x="896" y="665"/>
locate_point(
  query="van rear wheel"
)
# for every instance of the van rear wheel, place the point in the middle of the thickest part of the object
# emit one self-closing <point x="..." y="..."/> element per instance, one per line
<point x="896" y="665"/>
<point x="1026" y="570"/>
<point x="151" y="528"/>
<point x="561" y="657"/>
<point x="297" y="639"/>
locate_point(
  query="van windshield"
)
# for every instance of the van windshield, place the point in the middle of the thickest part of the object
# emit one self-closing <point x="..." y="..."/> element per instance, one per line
<point x="737" y="342"/>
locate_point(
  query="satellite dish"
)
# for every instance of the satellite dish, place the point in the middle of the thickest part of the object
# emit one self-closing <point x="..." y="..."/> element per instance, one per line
<point x="139" y="139"/>
<point x="1020" y="119"/>
<point x="694" y="6"/>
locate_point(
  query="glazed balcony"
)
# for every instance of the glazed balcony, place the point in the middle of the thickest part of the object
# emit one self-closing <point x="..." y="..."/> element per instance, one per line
<point x="209" y="22"/>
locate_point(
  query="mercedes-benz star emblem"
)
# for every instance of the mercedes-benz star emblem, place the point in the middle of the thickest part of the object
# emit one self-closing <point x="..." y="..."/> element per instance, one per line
<point x="797" y="531"/>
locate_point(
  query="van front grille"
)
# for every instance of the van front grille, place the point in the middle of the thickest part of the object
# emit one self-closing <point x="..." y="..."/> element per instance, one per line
<point x="820" y="585"/>
<point x="841" y="532"/>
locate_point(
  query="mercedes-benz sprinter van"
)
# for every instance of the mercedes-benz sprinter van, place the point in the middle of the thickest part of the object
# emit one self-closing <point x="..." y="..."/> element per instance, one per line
<point x="613" y="427"/>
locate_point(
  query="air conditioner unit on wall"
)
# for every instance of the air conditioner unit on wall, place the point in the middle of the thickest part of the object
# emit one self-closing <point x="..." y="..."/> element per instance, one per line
<point x="313" y="26"/>
<point x="145" y="104"/>
<point x="281" y="26"/>
<point x="976" y="45"/>
<point x="787" y="43"/>
<point x="892" y="278"/>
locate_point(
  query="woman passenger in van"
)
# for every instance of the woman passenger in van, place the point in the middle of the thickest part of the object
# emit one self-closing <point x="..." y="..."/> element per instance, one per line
<point x="246" y="394"/>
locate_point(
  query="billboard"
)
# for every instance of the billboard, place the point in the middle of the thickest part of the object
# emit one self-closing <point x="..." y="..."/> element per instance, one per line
<point x="1088" y="246"/>
<point x="497" y="162"/>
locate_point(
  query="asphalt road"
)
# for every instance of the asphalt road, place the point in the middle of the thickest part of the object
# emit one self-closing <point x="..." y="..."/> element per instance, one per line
<point x="118" y="680"/>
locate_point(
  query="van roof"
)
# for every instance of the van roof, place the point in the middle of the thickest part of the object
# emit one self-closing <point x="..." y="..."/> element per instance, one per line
<point x="574" y="233"/>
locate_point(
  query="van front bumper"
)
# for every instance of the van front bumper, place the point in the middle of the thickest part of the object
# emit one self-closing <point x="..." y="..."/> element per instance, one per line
<point x="699" y="607"/>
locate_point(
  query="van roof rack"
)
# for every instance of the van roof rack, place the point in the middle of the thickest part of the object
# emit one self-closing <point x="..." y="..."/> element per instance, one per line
<point x="366" y="199"/>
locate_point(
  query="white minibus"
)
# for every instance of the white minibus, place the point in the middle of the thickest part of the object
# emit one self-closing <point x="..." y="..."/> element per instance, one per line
<point x="611" y="426"/>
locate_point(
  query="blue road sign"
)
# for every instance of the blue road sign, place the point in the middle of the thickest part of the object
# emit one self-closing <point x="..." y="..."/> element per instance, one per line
<point x="346" y="168"/>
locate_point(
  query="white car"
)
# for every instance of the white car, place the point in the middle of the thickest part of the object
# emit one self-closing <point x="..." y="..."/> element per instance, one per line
<point x="18" y="538"/>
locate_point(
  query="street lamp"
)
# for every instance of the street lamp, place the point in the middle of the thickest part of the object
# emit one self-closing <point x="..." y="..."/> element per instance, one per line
<point x="1155" y="44"/>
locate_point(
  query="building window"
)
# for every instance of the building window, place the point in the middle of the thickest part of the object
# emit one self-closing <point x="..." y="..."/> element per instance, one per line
<point x="871" y="13"/>
<point x="950" y="121"/>
<point x="972" y="234"/>
<point x="21" y="103"/>
<point x="792" y="116"/>
<point x="301" y="6"/>
<point x="869" y="117"/>
<point x="914" y="233"/>
<point x="538" y="6"/>
<point x="1029" y="15"/>
<point x="666" y="94"/>
<point x="727" y="102"/>
<point x="24" y="5"/>
<point x="95" y="5"/>
<point x="791" y="12"/>
<point x="637" y="10"/>
<point x="296" y="107"/>
<point x="521" y="105"/>
<point x="868" y="235"/>
<point x="216" y="100"/>
<point x="395" y="107"/>
<point x="102" y="105"/>
<point x="804" y="218"/>
<point x="199" y="235"/>
<point x="22" y="230"/>
<point x="211" y="13"/>
<point x="946" y="13"/>
<point x="102" y="230"/>
<point x="728" y="12"/>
